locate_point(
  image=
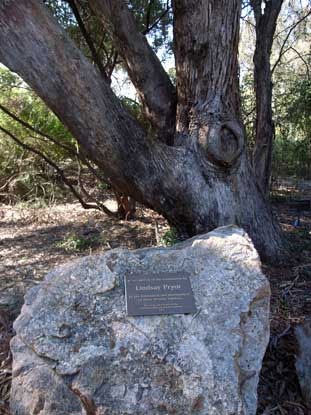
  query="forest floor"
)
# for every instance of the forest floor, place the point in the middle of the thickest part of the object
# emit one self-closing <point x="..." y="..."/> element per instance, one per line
<point x="33" y="240"/>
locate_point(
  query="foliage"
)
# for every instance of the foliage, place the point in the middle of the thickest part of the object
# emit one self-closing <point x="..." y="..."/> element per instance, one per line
<point x="77" y="243"/>
<point x="248" y="107"/>
<point x="299" y="111"/>
<point x="147" y="13"/>
<point x="172" y="75"/>
<point x="292" y="150"/>
<point x="290" y="62"/>
<point x="22" y="173"/>
<point x="153" y="18"/>
<point x="169" y="238"/>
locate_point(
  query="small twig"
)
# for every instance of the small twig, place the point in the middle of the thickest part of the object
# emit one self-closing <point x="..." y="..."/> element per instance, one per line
<point x="150" y="3"/>
<point x="290" y="286"/>
<point x="8" y="181"/>
<point x="275" y="339"/>
<point x="294" y="404"/>
<point x="112" y="64"/>
<point x="281" y="410"/>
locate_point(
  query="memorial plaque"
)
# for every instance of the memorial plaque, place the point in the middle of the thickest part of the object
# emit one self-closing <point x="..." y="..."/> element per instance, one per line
<point x="161" y="293"/>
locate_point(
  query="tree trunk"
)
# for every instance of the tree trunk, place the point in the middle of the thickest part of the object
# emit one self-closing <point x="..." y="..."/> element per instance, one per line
<point x="204" y="180"/>
<point x="265" y="29"/>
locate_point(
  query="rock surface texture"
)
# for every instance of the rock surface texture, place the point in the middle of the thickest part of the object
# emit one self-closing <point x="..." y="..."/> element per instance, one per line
<point x="76" y="352"/>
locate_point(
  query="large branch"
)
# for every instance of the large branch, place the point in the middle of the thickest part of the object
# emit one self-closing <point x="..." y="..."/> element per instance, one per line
<point x="145" y="70"/>
<point x="35" y="46"/>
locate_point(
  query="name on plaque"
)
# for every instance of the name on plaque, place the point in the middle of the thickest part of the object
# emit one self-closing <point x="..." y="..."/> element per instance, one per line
<point x="159" y="293"/>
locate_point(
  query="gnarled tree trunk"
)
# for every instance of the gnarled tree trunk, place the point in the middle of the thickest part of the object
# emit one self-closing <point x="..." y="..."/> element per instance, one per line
<point x="202" y="181"/>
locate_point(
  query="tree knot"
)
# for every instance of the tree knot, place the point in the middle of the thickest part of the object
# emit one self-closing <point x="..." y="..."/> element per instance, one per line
<point x="222" y="142"/>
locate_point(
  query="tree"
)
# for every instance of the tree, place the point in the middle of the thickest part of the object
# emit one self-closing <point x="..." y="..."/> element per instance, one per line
<point x="195" y="170"/>
<point x="266" y="15"/>
<point x="265" y="23"/>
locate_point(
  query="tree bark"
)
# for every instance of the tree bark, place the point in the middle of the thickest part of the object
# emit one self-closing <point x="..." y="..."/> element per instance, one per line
<point x="198" y="185"/>
<point x="265" y="29"/>
<point x="208" y="111"/>
<point x="152" y="83"/>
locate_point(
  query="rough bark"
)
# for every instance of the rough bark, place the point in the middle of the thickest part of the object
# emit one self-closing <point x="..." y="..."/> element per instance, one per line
<point x="204" y="183"/>
<point x="152" y="83"/>
<point x="207" y="82"/>
<point x="265" y="29"/>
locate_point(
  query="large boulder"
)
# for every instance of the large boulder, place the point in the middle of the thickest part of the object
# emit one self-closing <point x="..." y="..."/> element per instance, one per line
<point x="77" y="352"/>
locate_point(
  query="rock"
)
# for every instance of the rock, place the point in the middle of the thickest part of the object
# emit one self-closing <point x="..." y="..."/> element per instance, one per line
<point x="76" y="352"/>
<point x="303" y="359"/>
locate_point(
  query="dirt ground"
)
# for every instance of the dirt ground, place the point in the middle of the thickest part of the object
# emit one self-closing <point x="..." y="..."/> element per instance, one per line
<point x="33" y="240"/>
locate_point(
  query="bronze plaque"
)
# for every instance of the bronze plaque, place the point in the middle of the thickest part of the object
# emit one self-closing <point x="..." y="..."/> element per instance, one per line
<point x="162" y="293"/>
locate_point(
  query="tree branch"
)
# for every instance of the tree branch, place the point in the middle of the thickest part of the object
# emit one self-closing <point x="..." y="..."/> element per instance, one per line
<point x="282" y="51"/>
<point x="70" y="150"/>
<point x="84" y="204"/>
<point x="87" y="39"/>
<point x="149" y="28"/>
<point x="37" y="131"/>
<point x="303" y="60"/>
<point x="148" y="13"/>
<point x="152" y="83"/>
<point x="100" y="205"/>
<point x="111" y="64"/>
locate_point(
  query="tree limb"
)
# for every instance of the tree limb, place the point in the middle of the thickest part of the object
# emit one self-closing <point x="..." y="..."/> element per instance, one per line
<point x="25" y="124"/>
<point x="84" y="204"/>
<point x="149" y="28"/>
<point x="87" y="39"/>
<point x="148" y="13"/>
<point x="69" y="149"/>
<point x="146" y="72"/>
<point x="282" y="51"/>
<point x="98" y="203"/>
<point x="300" y="56"/>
